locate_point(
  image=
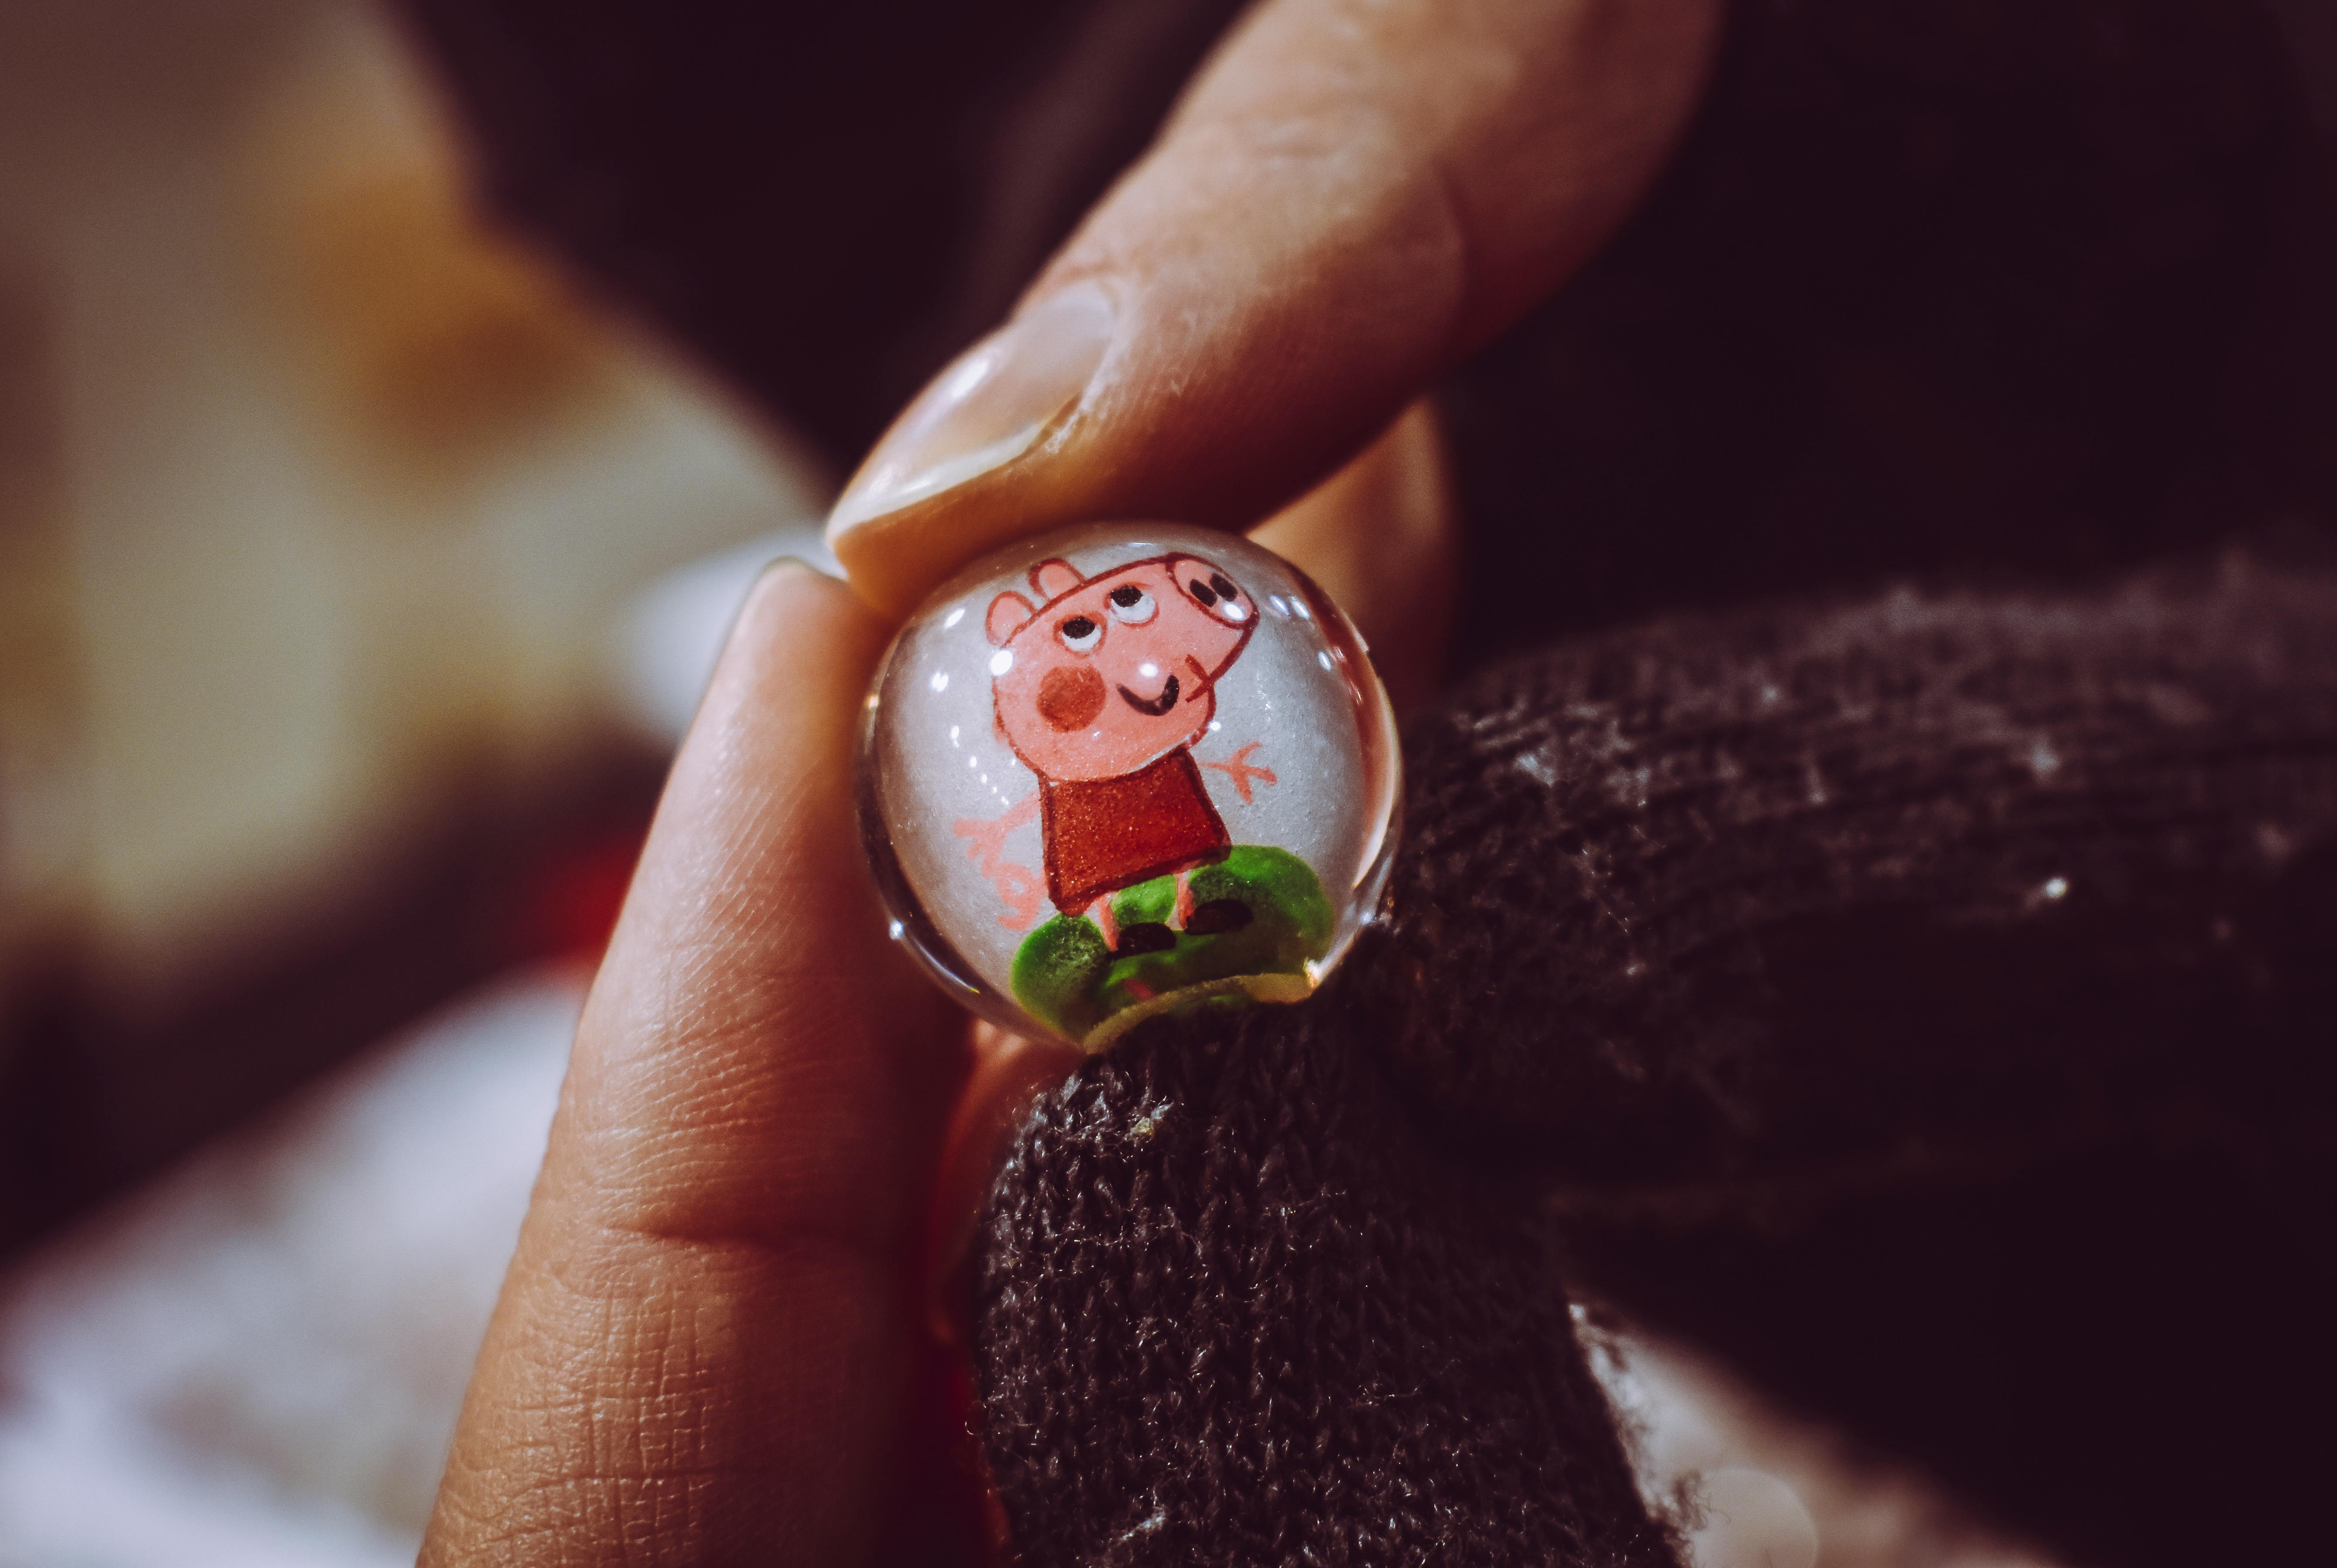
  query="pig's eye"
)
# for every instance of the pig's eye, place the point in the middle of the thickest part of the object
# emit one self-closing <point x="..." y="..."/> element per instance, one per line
<point x="1217" y="595"/>
<point x="1132" y="605"/>
<point x="1080" y="634"/>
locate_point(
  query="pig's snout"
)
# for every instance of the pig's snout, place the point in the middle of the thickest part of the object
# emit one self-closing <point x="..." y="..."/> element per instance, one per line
<point x="1070" y="696"/>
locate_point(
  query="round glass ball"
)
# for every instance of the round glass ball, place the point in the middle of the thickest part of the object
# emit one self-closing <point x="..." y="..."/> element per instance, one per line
<point x="1124" y="770"/>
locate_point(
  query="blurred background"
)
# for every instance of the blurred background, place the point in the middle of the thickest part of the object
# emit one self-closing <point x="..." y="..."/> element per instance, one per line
<point x="323" y="511"/>
<point x="359" y="568"/>
<point x="356" y="575"/>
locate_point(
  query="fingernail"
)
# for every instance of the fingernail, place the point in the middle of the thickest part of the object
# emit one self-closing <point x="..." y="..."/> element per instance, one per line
<point x="988" y="408"/>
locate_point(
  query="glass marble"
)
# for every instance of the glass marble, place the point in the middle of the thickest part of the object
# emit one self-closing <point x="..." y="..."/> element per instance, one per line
<point x="1125" y="770"/>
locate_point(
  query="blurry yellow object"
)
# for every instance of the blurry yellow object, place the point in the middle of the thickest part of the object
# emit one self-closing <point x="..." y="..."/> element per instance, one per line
<point x="321" y="498"/>
<point x="442" y="337"/>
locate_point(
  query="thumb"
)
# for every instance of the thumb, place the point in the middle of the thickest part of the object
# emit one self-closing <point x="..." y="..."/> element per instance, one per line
<point x="1351" y="198"/>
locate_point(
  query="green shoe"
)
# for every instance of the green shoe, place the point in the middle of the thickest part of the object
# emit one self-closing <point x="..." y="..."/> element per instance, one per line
<point x="1058" y="972"/>
<point x="1259" y="917"/>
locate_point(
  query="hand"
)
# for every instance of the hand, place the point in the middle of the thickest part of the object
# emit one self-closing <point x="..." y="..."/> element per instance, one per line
<point x="1350" y="200"/>
<point x="709" y="1342"/>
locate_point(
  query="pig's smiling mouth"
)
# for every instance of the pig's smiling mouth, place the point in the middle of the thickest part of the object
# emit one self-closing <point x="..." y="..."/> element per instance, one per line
<point x="1157" y="706"/>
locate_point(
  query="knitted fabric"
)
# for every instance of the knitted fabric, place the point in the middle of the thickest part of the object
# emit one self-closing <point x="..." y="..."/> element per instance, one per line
<point x="1937" y="822"/>
<point x="1234" y="1310"/>
<point x="1720" y="931"/>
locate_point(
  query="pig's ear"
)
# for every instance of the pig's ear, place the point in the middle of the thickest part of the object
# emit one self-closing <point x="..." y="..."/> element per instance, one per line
<point x="1052" y="579"/>
<point x="1008" y="612"/>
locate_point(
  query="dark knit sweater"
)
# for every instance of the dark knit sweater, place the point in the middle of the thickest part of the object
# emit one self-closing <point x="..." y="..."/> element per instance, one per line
<point x="1926" y="1002"/>
<point x="1872" y="910"/>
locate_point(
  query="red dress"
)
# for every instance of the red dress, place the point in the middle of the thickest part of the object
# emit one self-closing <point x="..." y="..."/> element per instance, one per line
<point x="1101" y="835"/>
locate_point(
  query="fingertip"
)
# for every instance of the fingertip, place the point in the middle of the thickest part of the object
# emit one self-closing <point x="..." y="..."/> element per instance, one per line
<point x="887" y="559"/>
<point x="797" y="628"/>
<point x="925" y="500"/>
<point x="892" y="560"/>
<point x="791" y="587"/>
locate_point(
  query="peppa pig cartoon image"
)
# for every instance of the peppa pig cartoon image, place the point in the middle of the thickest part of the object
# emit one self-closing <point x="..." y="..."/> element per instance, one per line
<point x="1102" y="686"/>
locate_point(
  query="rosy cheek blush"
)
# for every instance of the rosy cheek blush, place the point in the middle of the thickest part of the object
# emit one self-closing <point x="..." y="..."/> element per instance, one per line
<point x="1128" y="770"/>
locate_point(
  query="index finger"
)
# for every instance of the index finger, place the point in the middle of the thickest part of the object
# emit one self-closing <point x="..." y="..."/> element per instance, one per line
<point x="1350" y="200"/>
<point x="701" y="1349"/>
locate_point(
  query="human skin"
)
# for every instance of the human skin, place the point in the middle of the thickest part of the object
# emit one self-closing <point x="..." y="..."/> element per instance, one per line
<point x="746" y="1226"/>
<point x="1352" y="196"/>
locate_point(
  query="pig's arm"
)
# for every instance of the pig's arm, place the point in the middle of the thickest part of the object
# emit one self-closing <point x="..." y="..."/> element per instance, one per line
<point x="1241" y="770"/>
<point x="986" y="839"/>
<point x="1017" y="885"/>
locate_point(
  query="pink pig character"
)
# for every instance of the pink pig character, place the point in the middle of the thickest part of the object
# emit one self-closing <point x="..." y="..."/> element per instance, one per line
<point x="1101" y="689"/>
